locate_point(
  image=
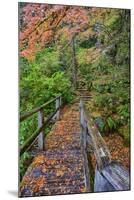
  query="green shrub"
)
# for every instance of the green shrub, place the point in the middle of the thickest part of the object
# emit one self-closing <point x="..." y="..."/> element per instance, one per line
<point x="103" y="65"/>
<point x="58" y="84"/>
<point x="103" y="100"/>
<point x="124" y="113"/>
<point x="24" y="163"/>
<point x="27" y="127"/>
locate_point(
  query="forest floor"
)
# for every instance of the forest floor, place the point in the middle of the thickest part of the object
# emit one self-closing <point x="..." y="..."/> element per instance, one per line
<point x="118" y="151"/>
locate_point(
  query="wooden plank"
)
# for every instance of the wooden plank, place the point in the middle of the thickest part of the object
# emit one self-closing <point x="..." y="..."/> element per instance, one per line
<point x="28" y="114"/>
<point x="112" y="178"/>
<point x="117" y="175"/>
<point x="86" y="171"/>
<point x="83" y="145"/>
<point x="84" y="96"/>
<point x="101" y="151"/>
<point x="83" y="124"/>
<point x="101" y="184"/>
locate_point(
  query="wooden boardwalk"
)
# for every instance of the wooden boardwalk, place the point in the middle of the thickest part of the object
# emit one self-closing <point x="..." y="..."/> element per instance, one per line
<point x="62" y="167"/>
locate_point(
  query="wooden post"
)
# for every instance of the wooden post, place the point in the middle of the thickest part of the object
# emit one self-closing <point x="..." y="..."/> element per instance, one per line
<point x="81" y="113"/>
<point x="58" y="101"/>
<point x="83" y="123"/>
<point x="85" y="130"/>
<point x="41" y="135"/>
<point x="83" y="144"/>
<point x="101" y="184"/>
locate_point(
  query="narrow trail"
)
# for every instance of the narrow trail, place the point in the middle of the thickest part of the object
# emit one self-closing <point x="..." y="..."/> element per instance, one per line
<point x="60" y="168"/>
<point x="63" y="168"/>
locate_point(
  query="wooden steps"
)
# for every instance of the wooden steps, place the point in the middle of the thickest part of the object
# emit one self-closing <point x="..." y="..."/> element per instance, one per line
<point x="84" y="94"/>
<point x="65" y="176"/>
<point x="60" y="169"/>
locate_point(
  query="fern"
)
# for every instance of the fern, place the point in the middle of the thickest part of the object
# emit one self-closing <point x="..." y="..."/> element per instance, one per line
<point x="111" y="123"/>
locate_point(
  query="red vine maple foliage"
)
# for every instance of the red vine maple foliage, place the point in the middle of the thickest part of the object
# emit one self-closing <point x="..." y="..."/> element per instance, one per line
<point x="40" y="24"/>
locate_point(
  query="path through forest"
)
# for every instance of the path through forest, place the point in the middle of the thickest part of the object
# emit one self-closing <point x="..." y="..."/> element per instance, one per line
<point x="60" y="168"/>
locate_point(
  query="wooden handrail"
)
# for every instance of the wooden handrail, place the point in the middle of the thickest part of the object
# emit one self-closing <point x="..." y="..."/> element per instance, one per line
<point x="35" y="110"/>
<point x="93" y="136"/>
<point x="109" y="175"/>
<point x="114" y="177"/>
<point x="25" y="146"/>
<point x="41" y="124"/>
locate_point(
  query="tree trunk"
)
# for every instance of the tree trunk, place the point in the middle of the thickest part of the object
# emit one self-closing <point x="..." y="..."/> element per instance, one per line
<point x="74" y="63"/>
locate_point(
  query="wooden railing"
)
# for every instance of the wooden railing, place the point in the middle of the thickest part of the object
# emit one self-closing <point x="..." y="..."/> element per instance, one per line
<point x="39" y="133"/>
<point x="109" y="175"/>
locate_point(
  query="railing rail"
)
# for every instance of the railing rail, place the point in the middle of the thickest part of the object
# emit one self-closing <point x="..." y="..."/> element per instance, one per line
<point x="28" y="114"/>
<point x="109" y="175"/>
<point x="92" y="136"/>
<point x="41" y="123"/>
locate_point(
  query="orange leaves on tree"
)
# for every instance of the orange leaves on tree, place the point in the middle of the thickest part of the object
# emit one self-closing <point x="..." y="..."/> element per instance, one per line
<point x="40" y="24"/>
<point x="36" y="30"/>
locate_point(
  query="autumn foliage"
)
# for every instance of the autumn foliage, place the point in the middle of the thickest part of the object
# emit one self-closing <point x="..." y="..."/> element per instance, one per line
<point x="42" y="24"/>
<point x="55" y="42"/>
